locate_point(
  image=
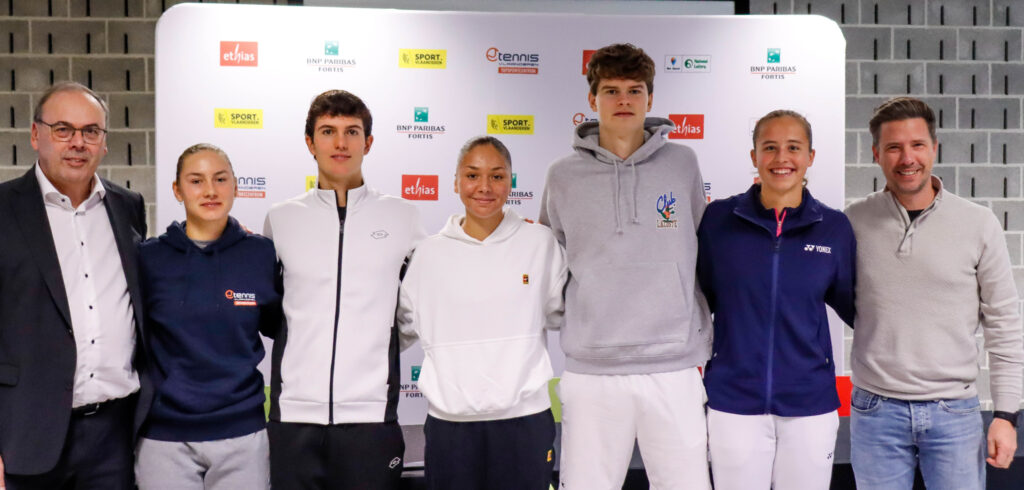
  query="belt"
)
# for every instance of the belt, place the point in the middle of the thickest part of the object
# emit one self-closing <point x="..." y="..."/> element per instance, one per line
<point x="94" y="408"/>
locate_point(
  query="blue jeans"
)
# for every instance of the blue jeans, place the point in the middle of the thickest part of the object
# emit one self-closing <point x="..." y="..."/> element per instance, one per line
<point x="889" y="437"/>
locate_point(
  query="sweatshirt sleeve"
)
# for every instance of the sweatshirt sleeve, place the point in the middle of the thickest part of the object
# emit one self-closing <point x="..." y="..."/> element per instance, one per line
<point x="272" y="314"/>
<point x="698" y="199"/>
<point x="840" y="294"/>
<point x="548" y="213"/>
<point x="405" y="315"/>
<point x="267" y="229"/>
<point x="704" y="265"/>
<point x="554" y="307"/>
<point x="1001" y="323"/>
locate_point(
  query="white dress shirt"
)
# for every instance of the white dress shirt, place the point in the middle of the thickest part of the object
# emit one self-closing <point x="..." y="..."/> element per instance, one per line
<point x="102" y="317"/>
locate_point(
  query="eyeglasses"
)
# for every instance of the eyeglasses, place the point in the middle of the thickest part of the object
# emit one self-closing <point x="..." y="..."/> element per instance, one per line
<point x="64" y="132"/>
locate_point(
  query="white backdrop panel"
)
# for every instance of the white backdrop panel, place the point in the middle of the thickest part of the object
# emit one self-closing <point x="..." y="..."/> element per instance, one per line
<point x="741" y="67"/>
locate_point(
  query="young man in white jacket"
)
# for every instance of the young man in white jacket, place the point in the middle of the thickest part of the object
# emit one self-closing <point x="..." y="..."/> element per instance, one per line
<point x="334" y="380"/>
<point x="479" y="296"/>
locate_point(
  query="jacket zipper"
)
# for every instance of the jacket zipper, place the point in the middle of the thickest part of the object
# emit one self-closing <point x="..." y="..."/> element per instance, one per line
<point x="337" y="315"/>
<point x="771" y="323"/>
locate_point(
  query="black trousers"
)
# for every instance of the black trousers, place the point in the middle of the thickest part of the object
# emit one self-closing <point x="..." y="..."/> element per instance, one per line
<point x="512" y="454"/>
<point x="335" y="457"/>
<point x="98" y="453"/>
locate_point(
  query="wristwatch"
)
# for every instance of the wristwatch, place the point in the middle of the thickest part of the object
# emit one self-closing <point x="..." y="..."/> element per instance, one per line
<point x="1010" y="417"/>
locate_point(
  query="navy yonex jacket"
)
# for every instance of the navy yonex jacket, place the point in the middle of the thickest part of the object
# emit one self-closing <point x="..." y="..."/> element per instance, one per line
<point x="767" y="279"/>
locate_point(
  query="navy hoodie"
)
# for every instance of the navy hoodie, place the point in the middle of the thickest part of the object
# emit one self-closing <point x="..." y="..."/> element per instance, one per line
<point x="205" y="309"/>
<point x="772" y="351"/>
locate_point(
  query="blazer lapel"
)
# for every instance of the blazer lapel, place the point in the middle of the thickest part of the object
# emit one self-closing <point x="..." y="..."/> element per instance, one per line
<point x="126" y="238"/>
<point x="30" y="213"/>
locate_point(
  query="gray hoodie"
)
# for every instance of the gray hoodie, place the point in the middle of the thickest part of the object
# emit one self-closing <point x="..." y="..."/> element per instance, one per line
<point x="629" y="228"/>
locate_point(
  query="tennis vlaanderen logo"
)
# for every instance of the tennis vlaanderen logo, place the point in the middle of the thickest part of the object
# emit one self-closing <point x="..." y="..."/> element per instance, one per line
<point x="241" y="299"/>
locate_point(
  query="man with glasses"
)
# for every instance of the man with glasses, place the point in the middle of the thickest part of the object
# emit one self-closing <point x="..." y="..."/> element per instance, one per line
<point x="70" y="389"/>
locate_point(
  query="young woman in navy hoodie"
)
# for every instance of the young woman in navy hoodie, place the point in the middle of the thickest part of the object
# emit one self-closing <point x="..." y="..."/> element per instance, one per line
<point x="209" y="289"/>
<point x="769" y="261"/>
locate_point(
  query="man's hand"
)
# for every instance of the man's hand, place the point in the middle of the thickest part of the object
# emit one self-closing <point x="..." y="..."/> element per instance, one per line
<point x="2" y="484"/>
<point x="1002" y="443"/>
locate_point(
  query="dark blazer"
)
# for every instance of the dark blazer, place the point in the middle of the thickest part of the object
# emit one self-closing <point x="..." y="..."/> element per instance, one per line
<point x="37" y="345"/>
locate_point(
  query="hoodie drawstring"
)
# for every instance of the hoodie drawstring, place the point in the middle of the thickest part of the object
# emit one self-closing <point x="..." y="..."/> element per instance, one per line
<point x="636" y="186"/>
<point x="618" y="190"/>
<point x="618" y="212"/>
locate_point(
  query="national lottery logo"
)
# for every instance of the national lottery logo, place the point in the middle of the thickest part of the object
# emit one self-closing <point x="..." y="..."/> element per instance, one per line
<point x="666" y="211"/>
<point x="687" y="63"/>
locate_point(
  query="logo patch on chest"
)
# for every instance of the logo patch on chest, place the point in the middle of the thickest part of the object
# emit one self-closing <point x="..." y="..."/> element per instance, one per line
<point x="241" y="299"/>
<point x="817" y="248"/>
<point x="666" y="207"/>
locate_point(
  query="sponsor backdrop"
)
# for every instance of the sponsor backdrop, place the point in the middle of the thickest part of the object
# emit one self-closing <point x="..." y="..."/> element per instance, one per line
<point x="242" y="77"/>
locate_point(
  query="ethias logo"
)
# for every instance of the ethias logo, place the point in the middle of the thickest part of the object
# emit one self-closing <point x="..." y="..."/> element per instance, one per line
<point x="419" y="187"/>
<point x="238" y="53"/>
<point x="688" y="126"/>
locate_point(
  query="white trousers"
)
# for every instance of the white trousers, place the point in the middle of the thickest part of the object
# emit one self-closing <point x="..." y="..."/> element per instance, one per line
<point x="602" y="415"/>
<point x="759" y="452"/>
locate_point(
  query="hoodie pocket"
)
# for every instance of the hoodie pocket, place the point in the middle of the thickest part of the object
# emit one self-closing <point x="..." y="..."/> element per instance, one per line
<point x="635" y="304"/>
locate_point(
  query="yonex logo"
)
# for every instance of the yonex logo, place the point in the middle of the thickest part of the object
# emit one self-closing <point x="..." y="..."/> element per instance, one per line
<point x="395" y="462"/>
<point x="817" y="248"/>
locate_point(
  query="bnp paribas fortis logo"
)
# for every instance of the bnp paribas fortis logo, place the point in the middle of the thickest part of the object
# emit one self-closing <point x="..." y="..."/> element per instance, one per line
<point x="773" y="68"/>
<point x="422" y="58"/>
<point x="332" y="60"/>
<point x="238" y="118"/>
<point x="509" y="124"/>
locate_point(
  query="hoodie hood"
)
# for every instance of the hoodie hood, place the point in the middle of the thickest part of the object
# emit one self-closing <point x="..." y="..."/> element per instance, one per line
<point x="586" y="143"/>
<point x="177" y="238"/>
<point x="508" y="226"/>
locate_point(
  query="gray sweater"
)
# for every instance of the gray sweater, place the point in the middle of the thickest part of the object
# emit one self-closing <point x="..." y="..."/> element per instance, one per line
<point x="629" y="229"/>
<point x="924" y="288"/>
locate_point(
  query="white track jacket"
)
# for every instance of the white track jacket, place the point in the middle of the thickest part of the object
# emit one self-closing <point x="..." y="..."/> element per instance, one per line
<point x="336" y="359"/>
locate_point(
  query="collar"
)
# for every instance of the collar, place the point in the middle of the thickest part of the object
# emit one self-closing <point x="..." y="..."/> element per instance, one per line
<point x="53" y="196"/>
<point x="902" y="211"/>
<point x="329" y="196"/>
<point x="936" y="184"/>
<point x="749" y="207"/>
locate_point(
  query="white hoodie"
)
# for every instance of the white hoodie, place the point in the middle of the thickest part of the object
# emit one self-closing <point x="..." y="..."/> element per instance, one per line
<point x="480" y="309"/>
